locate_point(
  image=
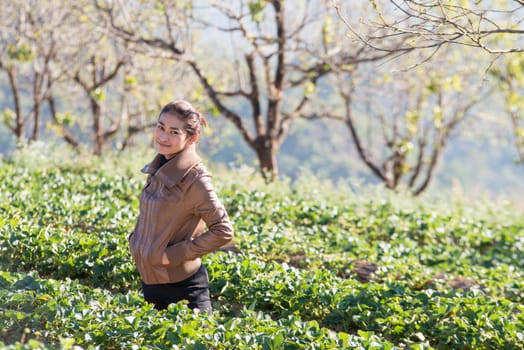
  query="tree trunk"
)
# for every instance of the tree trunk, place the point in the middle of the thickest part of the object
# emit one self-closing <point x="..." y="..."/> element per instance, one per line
<point x="37" y="91"/>
<point x="96" y="109"/>
<point x="266" y="153"/>
<point x="18" y="128"/>
<point x="36" y="123"/>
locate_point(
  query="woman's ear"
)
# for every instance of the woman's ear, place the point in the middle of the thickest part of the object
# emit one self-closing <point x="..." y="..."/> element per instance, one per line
<point x="194" y="138"/>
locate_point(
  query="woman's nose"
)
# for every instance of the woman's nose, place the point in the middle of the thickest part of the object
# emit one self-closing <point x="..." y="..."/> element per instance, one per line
<point x="163" y="135"/>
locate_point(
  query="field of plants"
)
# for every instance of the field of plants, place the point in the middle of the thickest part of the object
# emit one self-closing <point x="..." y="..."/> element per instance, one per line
<point x="316" y="267"/>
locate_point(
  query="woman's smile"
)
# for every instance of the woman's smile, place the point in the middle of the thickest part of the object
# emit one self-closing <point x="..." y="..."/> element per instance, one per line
<point x="162" y="144"/>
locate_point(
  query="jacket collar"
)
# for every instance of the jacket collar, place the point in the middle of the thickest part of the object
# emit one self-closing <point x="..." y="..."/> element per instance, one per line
<point x="173" y="171"/>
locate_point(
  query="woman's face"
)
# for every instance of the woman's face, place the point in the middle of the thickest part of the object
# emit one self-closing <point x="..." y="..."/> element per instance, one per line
<point x="170" y="136"/>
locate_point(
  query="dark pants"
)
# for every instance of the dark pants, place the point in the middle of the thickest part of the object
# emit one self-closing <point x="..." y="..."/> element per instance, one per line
<point x="194" y="289"/>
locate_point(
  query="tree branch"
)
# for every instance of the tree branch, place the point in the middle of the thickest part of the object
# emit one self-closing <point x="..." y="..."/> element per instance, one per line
<point x="288" y="118"/>
<point x="229" y="114"/>
<point x="73" y="141"/>
<point x="132" y="37"/>
<point x="438" y="24"/>
<point x="254" y="95"/>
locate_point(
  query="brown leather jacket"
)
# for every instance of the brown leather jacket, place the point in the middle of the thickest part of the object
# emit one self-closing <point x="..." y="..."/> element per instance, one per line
<point x="176" y="205"/>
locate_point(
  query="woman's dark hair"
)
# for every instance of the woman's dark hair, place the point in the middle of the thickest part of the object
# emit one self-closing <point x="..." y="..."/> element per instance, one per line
<point x="193" y="120"/>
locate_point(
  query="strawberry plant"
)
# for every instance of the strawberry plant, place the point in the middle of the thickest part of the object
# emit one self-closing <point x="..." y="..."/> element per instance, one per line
<point x="316" y="270"/>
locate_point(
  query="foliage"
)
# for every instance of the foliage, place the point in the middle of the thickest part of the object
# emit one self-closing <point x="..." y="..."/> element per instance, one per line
<point x="436" y="277"/>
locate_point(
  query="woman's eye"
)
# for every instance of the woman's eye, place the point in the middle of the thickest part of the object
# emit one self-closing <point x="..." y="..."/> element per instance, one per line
<point x="175" y="132"/>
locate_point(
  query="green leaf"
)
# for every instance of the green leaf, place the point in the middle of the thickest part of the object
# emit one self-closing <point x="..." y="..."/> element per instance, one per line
<point x="438" y="117"/>
<point x="278" y="340"/>
<point x="309" y="89"/>
<point x="215" y="112"/>
<point x="328" y="32"/>
<point x="67" y="343"/>
<point x="8" y="116"/>
<point x="20" y="52"/>
<point x="130" y="80"/>
<point x="98" y="94"/>
<point x="256" y="8"/>
<point x="433" y="86"/>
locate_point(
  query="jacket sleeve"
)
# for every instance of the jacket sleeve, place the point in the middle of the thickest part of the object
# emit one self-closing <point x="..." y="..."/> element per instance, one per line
<point x="207" y="206"/>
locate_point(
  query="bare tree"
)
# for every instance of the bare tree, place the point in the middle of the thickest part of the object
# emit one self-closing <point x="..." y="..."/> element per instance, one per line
<point x="400" y="123"/>
<point x="494" y="27"/>
<point x="491" y="25"/>
<point x="46" y="48"/>
<point x="100" y="72"/>
<point x="264" y="81"/>
<point x="97" y="63"/>
<point x="29" y="45"/>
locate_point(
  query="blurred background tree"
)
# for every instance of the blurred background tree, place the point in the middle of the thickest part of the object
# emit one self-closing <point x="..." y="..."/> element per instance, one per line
<point x="31" y="38"/>
<point x="495" y="27"/>
<point x="400" y="122"/>
<point x="261" y="76"/>
<point x="276" y="86"/>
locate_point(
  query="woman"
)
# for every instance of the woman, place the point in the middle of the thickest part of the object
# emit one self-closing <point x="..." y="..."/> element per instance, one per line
<point x="181" y="217"/>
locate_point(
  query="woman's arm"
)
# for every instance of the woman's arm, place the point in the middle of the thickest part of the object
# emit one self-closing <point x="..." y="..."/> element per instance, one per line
<point x="207" y="206"/>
